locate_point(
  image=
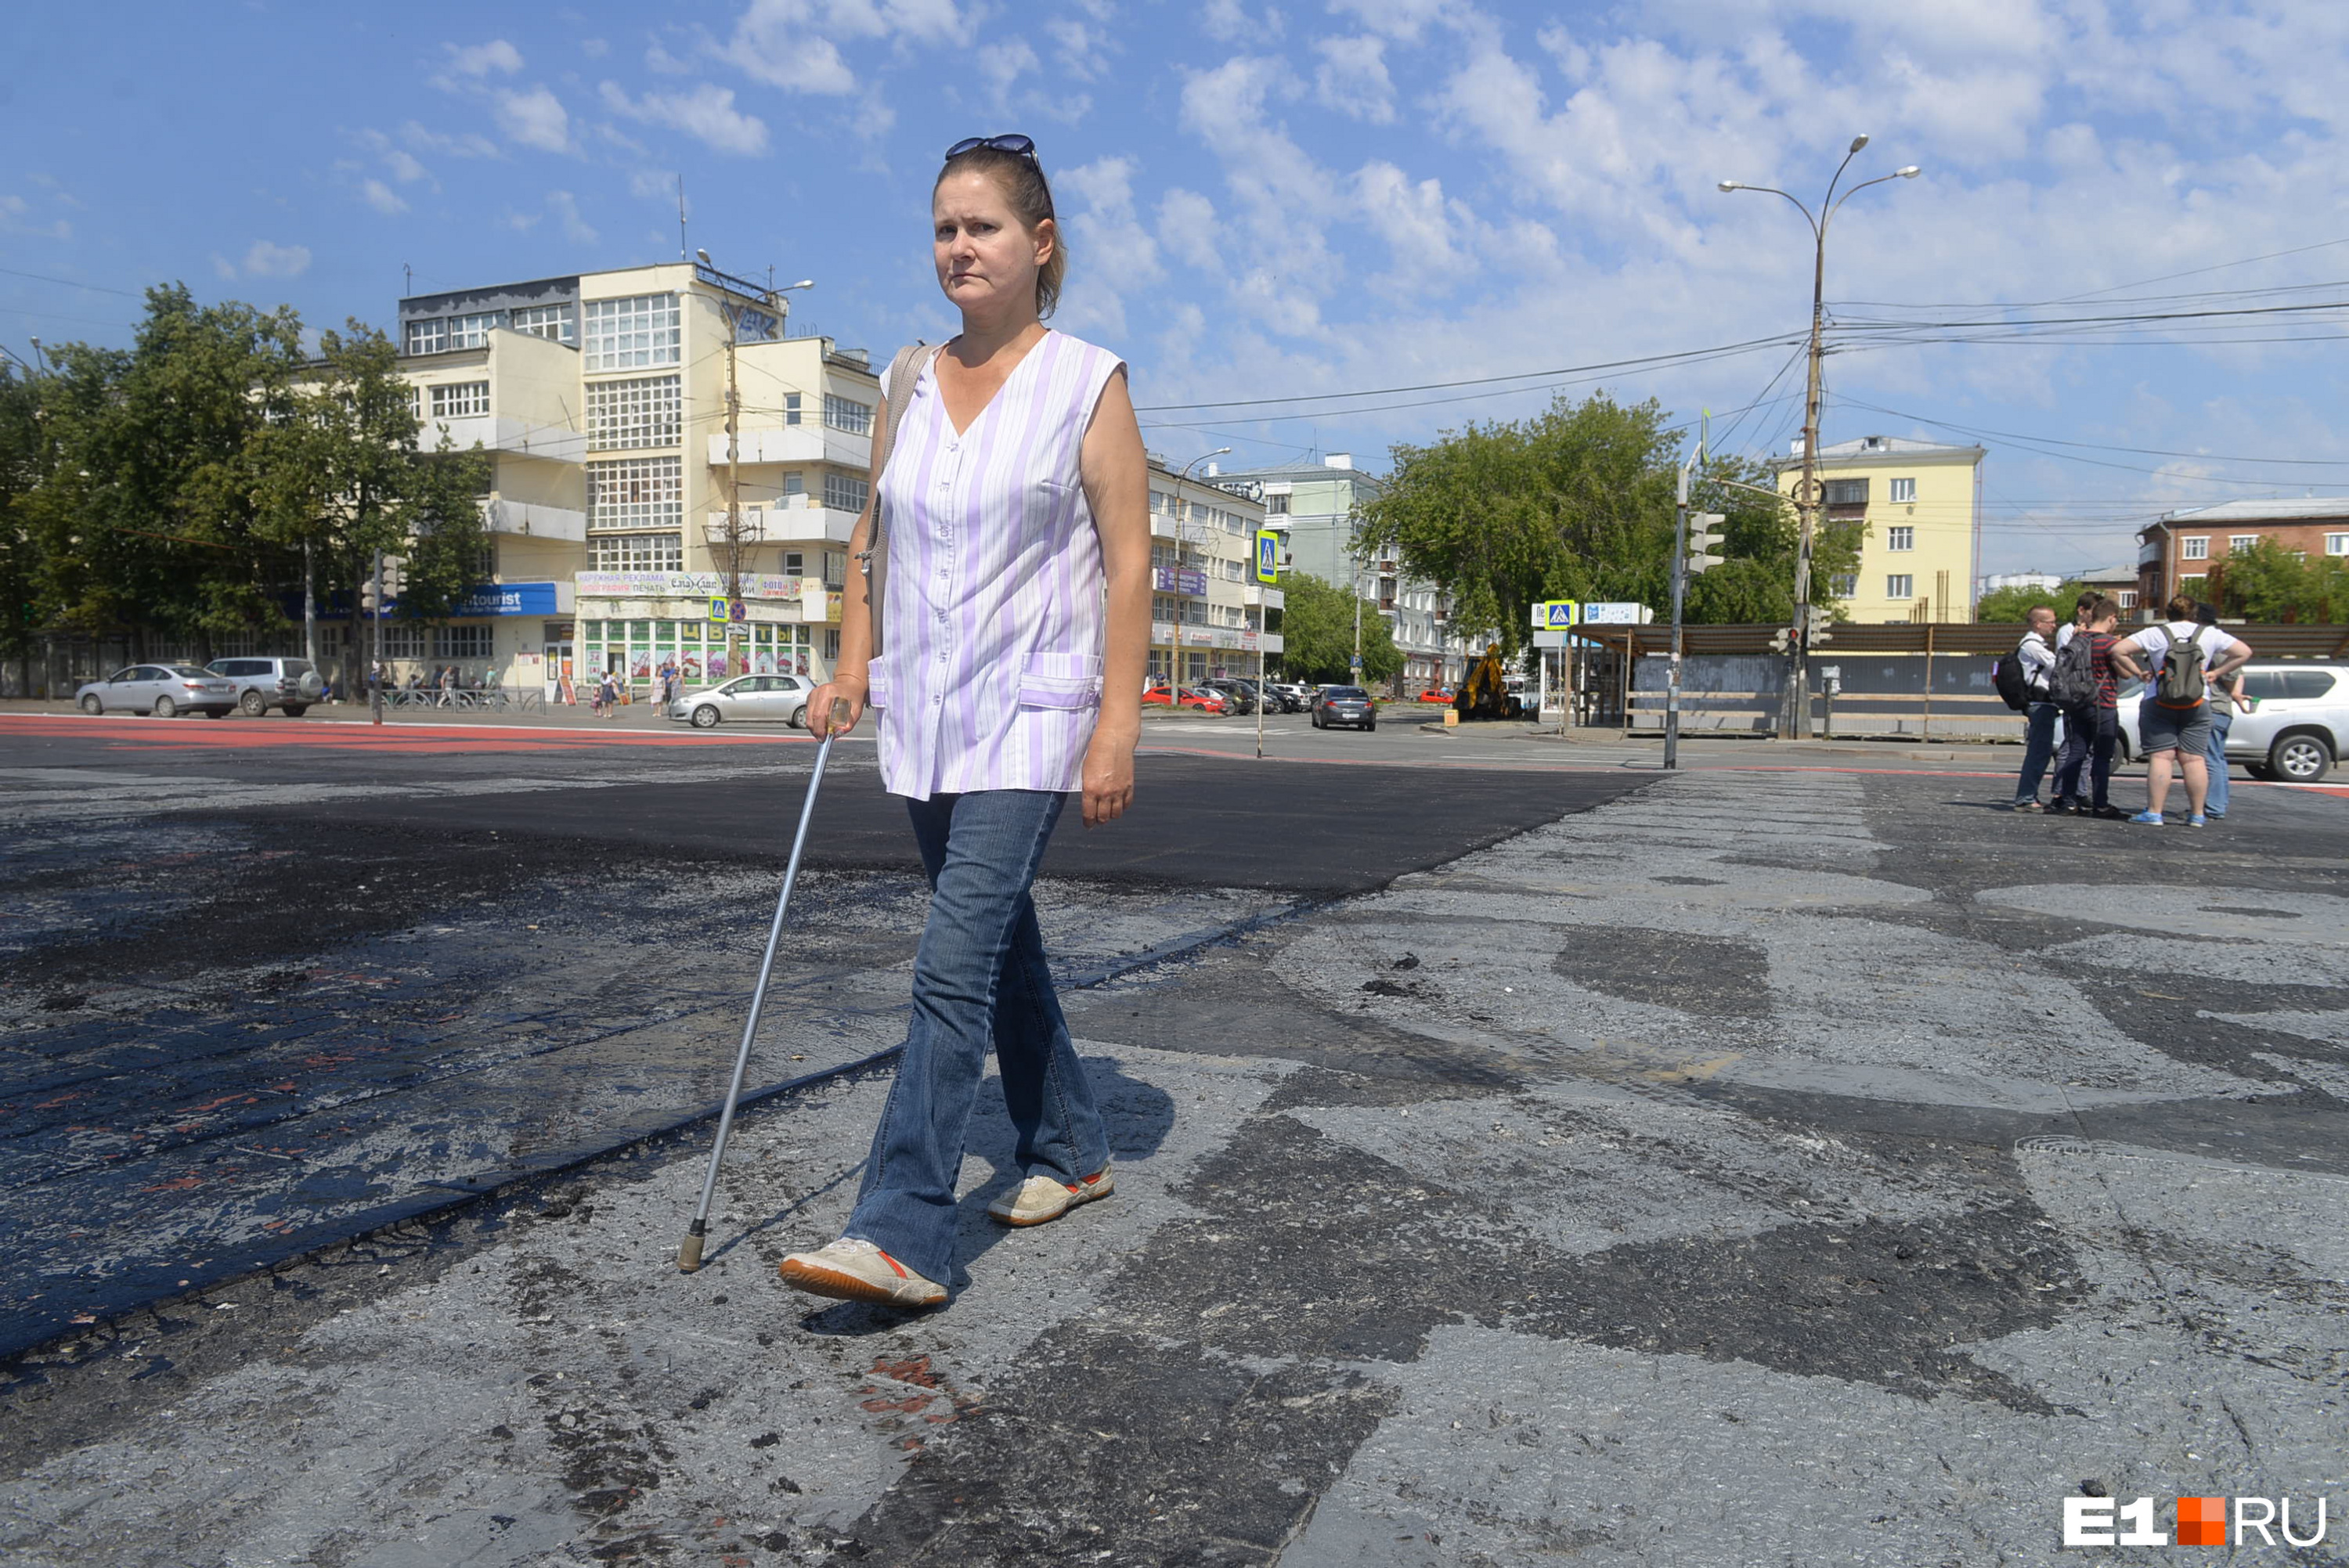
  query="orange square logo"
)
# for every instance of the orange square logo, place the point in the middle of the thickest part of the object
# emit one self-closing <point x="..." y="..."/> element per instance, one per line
<point x="2202" y="1522"/>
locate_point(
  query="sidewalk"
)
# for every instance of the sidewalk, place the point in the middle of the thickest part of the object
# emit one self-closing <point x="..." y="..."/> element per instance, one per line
<point x="1763" y="1166"/>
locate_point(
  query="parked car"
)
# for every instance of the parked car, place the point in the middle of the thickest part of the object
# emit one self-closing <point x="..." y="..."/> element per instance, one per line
<point x="1349" y="705"/>
<point x="746" y="700"/>
<point x="159" y="689"/>
<point x="2297" y="728"/>
<point x="288" y="684"/>
<point x="1238" y="696"/>
<point x="1197" y="697"/>
<point x="1437" y="697"/>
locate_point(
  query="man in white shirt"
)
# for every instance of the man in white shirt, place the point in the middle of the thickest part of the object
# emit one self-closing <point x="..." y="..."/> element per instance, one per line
<point x="2175" y="733"/>
<point x="2036" y="653"/>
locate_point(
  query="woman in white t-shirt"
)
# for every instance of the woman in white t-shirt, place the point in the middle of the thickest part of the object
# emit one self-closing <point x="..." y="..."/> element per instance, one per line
<point x="2176" y="734"/>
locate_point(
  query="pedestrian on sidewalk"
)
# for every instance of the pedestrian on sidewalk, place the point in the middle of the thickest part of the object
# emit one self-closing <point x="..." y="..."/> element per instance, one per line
<point x="2181" y="658"/>
<point x="1013" y="523"/>
<point x="2092" y="730"/>
<point x="2036" y="653"/>
<point x="2225" y="698"/>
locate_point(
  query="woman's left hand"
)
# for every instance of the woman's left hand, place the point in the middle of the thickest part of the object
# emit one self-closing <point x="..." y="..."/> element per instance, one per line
<point x="1108" y="778"/>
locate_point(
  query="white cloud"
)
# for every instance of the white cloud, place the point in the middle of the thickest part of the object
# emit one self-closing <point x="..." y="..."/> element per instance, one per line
<point x="706" y="111"/>
<point x="1084" y="49"/>
<point x="463" y="144"/>
<point x="477" y="62"/>
<point x="1187" y="226"/>
<point x="535" y="119"/>
<point x="594" y="48"/>
<point x="269" y="260"/>
<point x="17" y="218"/>
<point x="660" y="62"/>
<point x="1352" y="79"/>
<point x="382" y="197"/>
<point x="1004" y="62"/>
<point x="795" y="44"/>
<point x="565" y="208"/>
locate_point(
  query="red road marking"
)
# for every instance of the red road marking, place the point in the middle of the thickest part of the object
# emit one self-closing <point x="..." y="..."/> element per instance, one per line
<point x="344" y="735"/>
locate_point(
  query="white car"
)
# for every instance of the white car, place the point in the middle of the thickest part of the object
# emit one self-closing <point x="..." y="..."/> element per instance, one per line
<point x="754" y="699"/>
<point x="160" y="689"/>
<point x="2298" y="726"/>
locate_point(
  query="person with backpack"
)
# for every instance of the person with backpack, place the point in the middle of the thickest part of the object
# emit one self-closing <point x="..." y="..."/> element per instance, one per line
<point x="2035" y="658"/>
<point x="2181" y="657"/>
<point x="2227" y="696"/>
<point x="2091" y="729"/>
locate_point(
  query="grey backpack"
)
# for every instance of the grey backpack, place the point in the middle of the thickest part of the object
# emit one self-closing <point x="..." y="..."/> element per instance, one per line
<point x="2182" y="685"/>
<point x="2072" y="683"/>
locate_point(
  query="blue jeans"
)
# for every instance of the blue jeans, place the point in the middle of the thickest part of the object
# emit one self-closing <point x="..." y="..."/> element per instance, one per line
<point x="2222" y="719"/>
<point x="2038" y="746"/>
<point x="979" y="978"/>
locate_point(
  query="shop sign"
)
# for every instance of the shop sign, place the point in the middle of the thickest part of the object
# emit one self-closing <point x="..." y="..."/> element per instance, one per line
<point x="505" y="599"/>
<point x="682" y="585"/>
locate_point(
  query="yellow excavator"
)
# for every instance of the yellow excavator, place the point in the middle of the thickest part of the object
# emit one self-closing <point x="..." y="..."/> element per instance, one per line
<point x="1485" y="692"/>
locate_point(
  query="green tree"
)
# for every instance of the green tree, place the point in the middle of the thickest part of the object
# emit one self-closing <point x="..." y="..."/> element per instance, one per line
<point x="1317" y="631"/>
<point x="2271" y="583"/>
<point x="1579" y="503"/>
<point x="24" y="461"/>
<point x="2001" y="605"/>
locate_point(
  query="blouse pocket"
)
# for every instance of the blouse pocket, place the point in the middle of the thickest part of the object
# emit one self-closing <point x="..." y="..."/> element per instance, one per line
<point x="1061" y="680"/>
<point x="877" y="682"/>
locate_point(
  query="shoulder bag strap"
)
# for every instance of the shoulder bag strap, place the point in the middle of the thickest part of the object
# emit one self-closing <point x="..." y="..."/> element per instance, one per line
<point x="905" y="370"/>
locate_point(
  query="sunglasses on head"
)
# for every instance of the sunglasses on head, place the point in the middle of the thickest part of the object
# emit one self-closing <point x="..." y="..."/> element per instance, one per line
<point x="1017" y="145"/>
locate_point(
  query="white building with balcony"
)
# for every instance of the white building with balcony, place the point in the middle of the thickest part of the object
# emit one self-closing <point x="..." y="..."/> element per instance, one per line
<point x="1207" y="608"/>
<point x="602" y="400"/>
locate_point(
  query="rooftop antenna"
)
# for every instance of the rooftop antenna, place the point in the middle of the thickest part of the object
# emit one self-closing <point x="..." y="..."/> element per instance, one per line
<point x="408" y="280"/>
<point x="680" y="217"/>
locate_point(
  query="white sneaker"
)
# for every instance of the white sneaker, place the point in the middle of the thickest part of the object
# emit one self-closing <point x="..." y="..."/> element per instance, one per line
<point x="854" y="1269"/>
<point x="1040" y="1198"/>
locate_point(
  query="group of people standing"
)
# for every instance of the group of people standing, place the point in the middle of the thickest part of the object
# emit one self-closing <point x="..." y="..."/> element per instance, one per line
<point x="2192" y="691"/>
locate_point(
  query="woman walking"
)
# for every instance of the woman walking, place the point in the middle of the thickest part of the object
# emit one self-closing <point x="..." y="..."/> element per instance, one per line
<point x="1005" y="671"/>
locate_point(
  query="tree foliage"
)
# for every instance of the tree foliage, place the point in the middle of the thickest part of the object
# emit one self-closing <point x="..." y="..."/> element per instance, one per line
<point x="2001" y="605"/>
<point x="2269" y="582"/>
<point x="1317" y="631"/>
<point x="1579" y="503"/>
<point x="184" y="486"/>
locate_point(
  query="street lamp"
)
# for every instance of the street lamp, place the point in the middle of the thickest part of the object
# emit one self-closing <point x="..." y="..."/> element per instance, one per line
<point x="735" y="659"/>
<point x="1806" y="499"/>
<point x="1182" y="522"/>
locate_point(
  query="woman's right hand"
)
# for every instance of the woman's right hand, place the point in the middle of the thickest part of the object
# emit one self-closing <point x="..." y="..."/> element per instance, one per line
<point x="834" y="707"/>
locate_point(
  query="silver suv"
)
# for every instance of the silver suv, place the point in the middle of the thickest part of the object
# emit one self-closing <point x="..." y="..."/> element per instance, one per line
<point x="2298" y="726"/>
<point x="291" y="685"/>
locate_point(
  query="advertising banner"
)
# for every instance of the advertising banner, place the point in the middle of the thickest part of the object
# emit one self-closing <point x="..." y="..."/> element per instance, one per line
<point x="682" y="585"/>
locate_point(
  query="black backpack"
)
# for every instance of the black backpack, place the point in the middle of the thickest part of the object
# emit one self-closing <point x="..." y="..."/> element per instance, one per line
<point x="2073" y="682"/>
<point x="2013" y="680"/>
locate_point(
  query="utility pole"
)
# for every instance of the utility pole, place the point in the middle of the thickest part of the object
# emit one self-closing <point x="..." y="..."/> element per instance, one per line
<point x="376" y="671"/>
<point x="1680" y="593"/>
<point x="733" y="496"/>
<point x="1806" y="501"/>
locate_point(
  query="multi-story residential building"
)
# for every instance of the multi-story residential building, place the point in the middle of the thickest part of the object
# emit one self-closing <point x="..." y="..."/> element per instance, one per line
<point x="1315" y="508"/>
<point x="1919" y="505"/>
<point x="2180" y="552"/>
<point x="602" y="399"/>
<point x="2119" y="583"/>
<point x="1207" y="608"/>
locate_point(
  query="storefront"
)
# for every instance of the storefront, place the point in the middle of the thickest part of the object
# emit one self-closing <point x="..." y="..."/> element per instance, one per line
<point x="635" y="623"/>
<point x="495" y="635"/>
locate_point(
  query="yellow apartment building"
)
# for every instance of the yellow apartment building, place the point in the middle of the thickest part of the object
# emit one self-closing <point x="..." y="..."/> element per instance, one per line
<point x="602" y="400"/>
<point x="1920" y="504"/>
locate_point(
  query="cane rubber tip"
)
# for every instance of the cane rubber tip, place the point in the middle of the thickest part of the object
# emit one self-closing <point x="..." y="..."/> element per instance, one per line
<point x="689" y="1257"/>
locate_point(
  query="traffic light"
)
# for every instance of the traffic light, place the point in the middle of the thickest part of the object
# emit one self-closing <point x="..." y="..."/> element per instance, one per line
<point x="366" y="597"/>
<point x="1703" y="540"/>
<point x="394" y="576"/>
<point x="1820" y="628"/>
<point x="1782" y="641"/>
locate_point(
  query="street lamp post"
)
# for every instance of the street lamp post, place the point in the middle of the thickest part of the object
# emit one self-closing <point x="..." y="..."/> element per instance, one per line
<point x="1806" y="501"/>
<point x="735" y="541"/>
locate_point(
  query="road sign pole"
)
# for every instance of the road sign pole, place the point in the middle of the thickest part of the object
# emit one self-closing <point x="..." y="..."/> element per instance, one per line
<point x="1679" y="588"/>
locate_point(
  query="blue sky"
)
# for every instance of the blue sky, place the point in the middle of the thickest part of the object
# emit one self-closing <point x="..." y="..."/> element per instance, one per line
<point x="1307" y="200"/>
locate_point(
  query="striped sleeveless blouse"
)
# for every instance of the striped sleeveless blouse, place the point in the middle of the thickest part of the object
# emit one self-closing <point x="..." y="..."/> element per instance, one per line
<point x="992" y="675"/>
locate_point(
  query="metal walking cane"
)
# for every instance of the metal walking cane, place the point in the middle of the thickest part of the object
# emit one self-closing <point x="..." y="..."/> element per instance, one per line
<point x="689" y="1257"/>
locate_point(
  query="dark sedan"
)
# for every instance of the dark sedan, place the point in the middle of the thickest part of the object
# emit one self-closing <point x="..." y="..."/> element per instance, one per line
<point x="1348" y="705"/>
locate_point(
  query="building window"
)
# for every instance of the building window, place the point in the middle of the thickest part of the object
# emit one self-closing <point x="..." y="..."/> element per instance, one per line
<point x="402" y="642"/>
<point x="1276" y="505"/>
<point x="790" y="408"/>
<point x="1899" y="585"/>
<point x="2336" y="544"/>
<point x="2127" y="600"/>
<point x="1846" y="492"/>
<point x="634" y="492"/>
<point x="427" y="336"/>
<point x="2196" y="549"/>
<point x="1903" y="490"/>
<point x="631" y="334"/>
<point x="551" y="322"/>
<point x="472" y="331"/>
<point x="842" y="493"/>
<point x="1899" y="538"/>
<point x="457" y="402"/>
<point x="831" y="645"/>
<point x="636" y="553"/>
<point x="847" y="414"/>
<point x="462" y="643"/>
<point x="2195" y="577"/>
<point x="2239" y="542"/>
<point x="639" y="413"/>
<point x="1844" y="585"/>
<point x="794" y="563"/>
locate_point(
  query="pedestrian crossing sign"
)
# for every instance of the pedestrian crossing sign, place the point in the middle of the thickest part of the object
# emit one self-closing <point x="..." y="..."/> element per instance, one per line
<point x="718" y="608"/>
<point x="1555" y="614"/>
<point x="1268" y="556"/>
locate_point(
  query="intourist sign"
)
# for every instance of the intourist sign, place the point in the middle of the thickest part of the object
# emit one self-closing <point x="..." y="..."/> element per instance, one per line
<point x="506" y="599"/>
